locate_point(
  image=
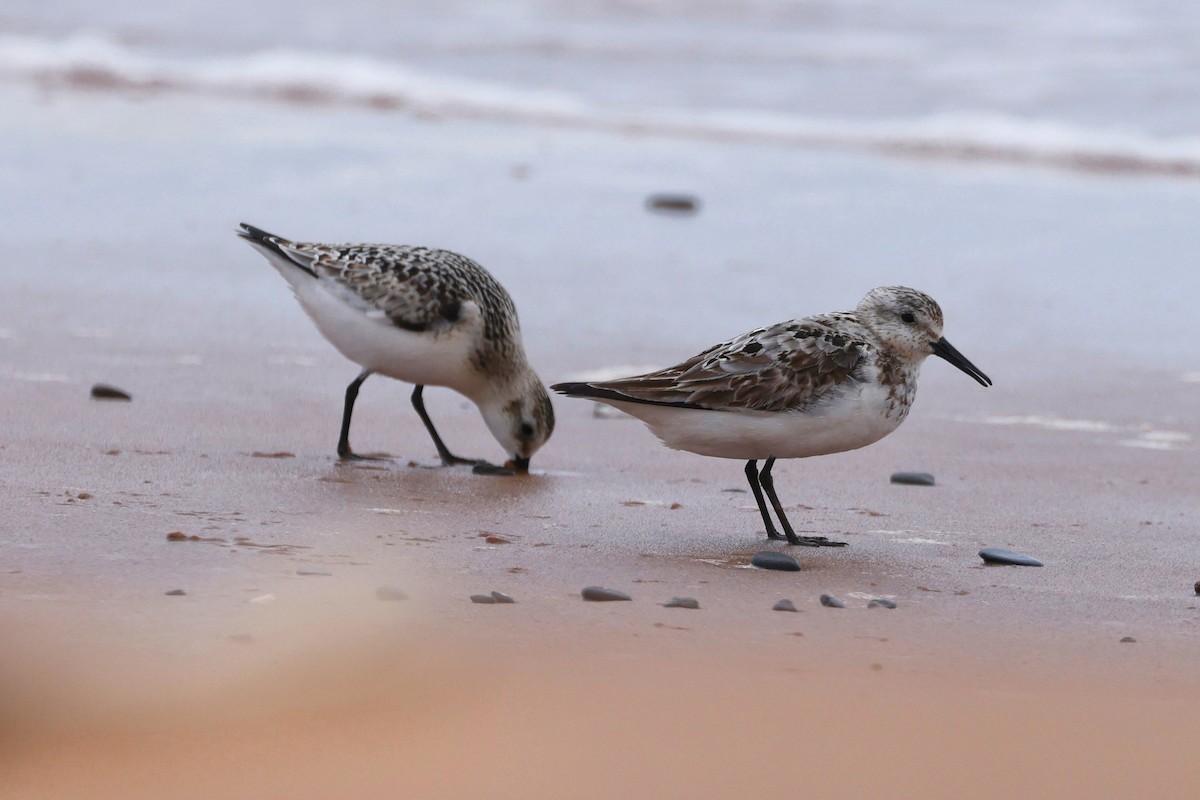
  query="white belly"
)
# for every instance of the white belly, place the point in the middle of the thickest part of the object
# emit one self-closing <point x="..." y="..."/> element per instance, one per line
<point x="854" y="420"/>
<point x="435" y="359"/>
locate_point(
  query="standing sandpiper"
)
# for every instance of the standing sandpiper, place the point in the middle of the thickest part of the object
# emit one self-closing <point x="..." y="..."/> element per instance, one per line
<point x="807" y="387"/>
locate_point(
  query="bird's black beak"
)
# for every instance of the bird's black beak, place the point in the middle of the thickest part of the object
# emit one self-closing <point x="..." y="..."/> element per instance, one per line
<point x="519" y="465"/>
<point x="943" y="349"/>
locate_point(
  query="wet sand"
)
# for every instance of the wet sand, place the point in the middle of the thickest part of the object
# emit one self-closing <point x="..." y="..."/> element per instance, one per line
<point x="984" y="682"/>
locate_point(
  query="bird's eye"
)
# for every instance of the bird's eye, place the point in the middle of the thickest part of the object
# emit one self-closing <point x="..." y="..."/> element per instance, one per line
<point x="908" y="317"/>
<point x="526" y="430"/>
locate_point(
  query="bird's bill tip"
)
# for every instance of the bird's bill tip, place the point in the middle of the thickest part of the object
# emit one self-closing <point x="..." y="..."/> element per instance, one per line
<point x="945" y="350"/>
<point x="518" y="465"/>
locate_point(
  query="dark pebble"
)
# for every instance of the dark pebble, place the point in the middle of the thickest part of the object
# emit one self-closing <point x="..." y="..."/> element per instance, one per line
<point x="102" y="391"/>
<point x="390" y="593"/>
<point x="784" y="605"/>
<point x="879" y="601"/>
<point x="317" y="572"/>
<point x="998" y="555"/>
<point x="769" y="559"/>
<point x="501" y="597"/>
<point x="673" y="203"/>
<point x="175" y="593"/>
<point x="491" y="469"/>
<point x="1128" y="640"/>
<point x="829" y="601"/>
<point x="913" y="478"/>
<point x="682" y="602"/>
<point x="484" y="599"/>
<point x="1197" y="587"/>
<point x="599" y="594"/>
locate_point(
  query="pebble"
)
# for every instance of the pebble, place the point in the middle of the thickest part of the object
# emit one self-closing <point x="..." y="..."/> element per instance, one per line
<point x="102" y="391"/>
<point x="1197" y="587"/>
<point x="600" y="594"/>
<point x="318" y="572"/>
<point x="501" y="597"/>
<point x="829" y="601"/>
<point x="682" y="602"/>
<point x="769" y="559"/>
<point x="484" y="599"/>
<point x="491" y="469"/>
<point x="784" y="605"/>
<point x="175" y="593"/>
<point x="913" y="478"/>
<point x="390" y="593"/>
<point x="998" y="555"/>
<point x="673" y="203"/>
<point x="1128" y="640"/>
<point x="880" y="601"/>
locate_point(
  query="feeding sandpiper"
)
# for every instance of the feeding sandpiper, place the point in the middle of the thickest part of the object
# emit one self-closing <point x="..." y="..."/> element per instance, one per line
<point x="426" y="317"/>
<point x="806" y="387"/>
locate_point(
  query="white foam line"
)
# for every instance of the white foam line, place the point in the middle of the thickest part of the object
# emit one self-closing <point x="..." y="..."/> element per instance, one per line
<point x="88" y="62"/>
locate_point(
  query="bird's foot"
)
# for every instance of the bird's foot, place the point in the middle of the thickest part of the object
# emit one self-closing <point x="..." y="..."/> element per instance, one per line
<point x="352" y="456"/>
<point x="814" y="541"/>
<point x="487" y="468"/>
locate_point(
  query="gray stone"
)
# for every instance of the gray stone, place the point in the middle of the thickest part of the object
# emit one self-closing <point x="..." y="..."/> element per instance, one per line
<point x="784" y="605"/>
<point x="600" y="594"/>
<point x="682" y="602"/>
<point x="881" y="602"/>
<point x="102" y="391"/>
<point x="501" y="597"/>
<point x="390" y="593"/>
<point x="829" y="601"/>
<point x="317" y="572"/>
<point x="998" y="555"/>
<point x="769" y="559"/>
<point x="175" y="593"/>
<point x="483" y="599"/>
<point x="673" y="203"/>
<point x="1128" y="640"/>
<point x="913" y="478"/>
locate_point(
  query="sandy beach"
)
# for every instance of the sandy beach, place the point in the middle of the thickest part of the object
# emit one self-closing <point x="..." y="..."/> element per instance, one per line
<point x="1071" y="289"/>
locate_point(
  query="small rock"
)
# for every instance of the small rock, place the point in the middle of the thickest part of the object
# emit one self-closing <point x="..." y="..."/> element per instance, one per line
<point x="390" y="593"/>
<point x="491" y="469"/>
<point x="881" y="601"/>
<point x="913" y="478"/>
<point x="769" y="559"/>
<point x="263" y="599"/>
<point x="998" y="555"/>
<point x="102" y="391"/>
<point x="829" y="601"/>
<point x="85" y="495"/>
<point x="673" y="203"/>
<point x="177" y="536"/>
<point x="600" y="594"/>
<point x="784" y="605"/>
<point x="315" y="572"/>
<point x="501" y="597"/>
<point x="1197" y="587"/>
<point x="483" y="599"/>
<point x="682" y="602"/>
<point x="175" y="593"/>
<point x="493" y="538"/>
<point x="1127" y="640"/>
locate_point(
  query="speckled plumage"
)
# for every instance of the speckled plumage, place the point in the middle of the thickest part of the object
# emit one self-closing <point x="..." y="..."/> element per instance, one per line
<point x="812" y="386"/>
<point x="421" y="315"/>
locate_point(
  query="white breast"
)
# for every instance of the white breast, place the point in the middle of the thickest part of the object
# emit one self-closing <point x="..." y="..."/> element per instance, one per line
<point x="854" y="419"/>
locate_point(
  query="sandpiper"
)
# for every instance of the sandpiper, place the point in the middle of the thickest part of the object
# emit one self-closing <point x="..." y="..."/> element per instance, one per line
<point x="424" y="316"/>
<point x="806" y="387"/>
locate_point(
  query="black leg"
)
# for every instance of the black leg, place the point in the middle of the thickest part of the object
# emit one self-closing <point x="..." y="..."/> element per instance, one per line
<point x="752" y="477"/>
<point x="768" y="485"/>
<point x="343" y="449"/>
<point x="447" y="457"/>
